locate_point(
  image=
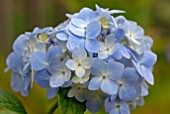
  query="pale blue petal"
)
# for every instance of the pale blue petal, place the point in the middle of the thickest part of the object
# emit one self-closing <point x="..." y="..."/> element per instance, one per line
<point x="95" y="83"/>
<point x="38" y="60"/>
<point x="62" y="36"/>
<point x="52" y="92"/>
<point x="40" y="47"/>
<point x="147" y="74"/>
<point x="79" y="54"/>
<point x="115" y="111"/>
<point x="110" y="87"/>
<point x="76" y="42"/>
<point x="93" y="30"/>
<point x="54" y="52"/>
<point x="92" y="46"/>
<point x="149" y="59"/>
<point x="71" y="64"/>
<point x="144" y="89"/>
<point x="127" y="92"/>
<point x="55" y="66"/>
<point x="42" y="78"/>
<point x="110" y="40"/>
<point x="124" y="109"/>
<point x="98" y="68"/>
<point x="124" y="51"/>
<point x="78" y="23"/>
<point x="77" y="31"/>
<point x="56" y="80"/>
<point x="87" y="15"/>
<point x="115" y="70"/>
<point x="80" y="72"/>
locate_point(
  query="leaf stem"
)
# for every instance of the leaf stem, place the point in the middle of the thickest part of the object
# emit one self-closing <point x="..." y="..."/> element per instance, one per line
<point x="53" y="108"/>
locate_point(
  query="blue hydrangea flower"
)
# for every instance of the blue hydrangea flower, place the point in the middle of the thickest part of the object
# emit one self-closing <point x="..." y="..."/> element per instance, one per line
<point x="116" y="107"/>
<point x="144" y="66"/>
<point x="107" y="48"/>
<point x="80" y="62"/>
<point x="105" y="76"/>
<point x="59" y="72"/>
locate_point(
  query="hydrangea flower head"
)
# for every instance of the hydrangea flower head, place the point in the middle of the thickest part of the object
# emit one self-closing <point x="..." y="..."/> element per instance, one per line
<point x="103" y="60"/>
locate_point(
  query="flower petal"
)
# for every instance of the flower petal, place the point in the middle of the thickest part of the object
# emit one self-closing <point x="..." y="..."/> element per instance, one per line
<point x="127" y="92"/>
<point x="52" y="92"/>
<point x="80" y="71"/>
<point x="87" y="63"/>
<point x="72" y="92"/>
<point x="38" y="60"/>
<point x="56" y="80"/>
<point x="93" y="30"/>
<point x="77" y="31"/>
<point x="79" y="54"/>
<point x="78" y="23"/>
<point x="115" y="70"/>
<point x="95" y="83"/>
<point x="92" y="46"/>
<point x="110" y="87"/>
<point x="71" y="64"/>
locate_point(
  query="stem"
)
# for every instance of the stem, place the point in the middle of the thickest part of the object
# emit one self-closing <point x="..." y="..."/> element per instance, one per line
<point x="53" y="108"/>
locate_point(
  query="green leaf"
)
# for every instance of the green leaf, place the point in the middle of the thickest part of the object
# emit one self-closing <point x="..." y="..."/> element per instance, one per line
<point x="69" y="105"/>
<point x="11" y="103"/>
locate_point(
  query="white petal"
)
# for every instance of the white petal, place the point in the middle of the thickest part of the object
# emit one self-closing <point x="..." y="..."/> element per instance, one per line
<point x="80" y="71"/>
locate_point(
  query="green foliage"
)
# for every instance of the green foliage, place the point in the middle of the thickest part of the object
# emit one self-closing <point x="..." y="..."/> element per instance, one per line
<point x="11" y="103"/>
<point x="69" y="105"/>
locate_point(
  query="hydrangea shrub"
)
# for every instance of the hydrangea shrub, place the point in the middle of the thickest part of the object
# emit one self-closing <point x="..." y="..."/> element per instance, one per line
<point x="103" y="60"/>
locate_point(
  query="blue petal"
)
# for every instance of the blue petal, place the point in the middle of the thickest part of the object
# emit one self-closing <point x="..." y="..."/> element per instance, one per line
<point x="77" y="31"/>
<point x="130" y="75"/>
<point x="147" y="74"/>
<point x="124" y="109"/>
<point x="93" y="30"/>
<point x="127" y="92"/>
<point x="98" y="68"/>
<point x="42" y="78"/>
<point x="93" y="106"/>
<point x="55" y="66"/>
<point x="87" y="15"/>
<point x="38" y="60"/>
<point x="79" y="54"/>
<point x="110" y="87"/>
<point x="62" y="36"/>
<point x="19" y="44"/>
<point x="56" y="80"/>
<point x="15" y="82"/>
<point x="92" y="46"/>
<point x="15" y="62"/>
<point x="149" y="59"/>
<point x="115" y="111"/>
<point x="52" y="92"/>
<point x="54" y="52"/>
<point x="78" y="23"/>
<point x="75" y="42"/>
<point x="95" y="83"/>
<point x="119" y="33"/>
<point x="124" y="51"/>
<point x="115" y="70"/>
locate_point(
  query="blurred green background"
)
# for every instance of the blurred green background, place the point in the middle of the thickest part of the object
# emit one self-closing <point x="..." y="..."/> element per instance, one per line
<point x="18" y="16"/>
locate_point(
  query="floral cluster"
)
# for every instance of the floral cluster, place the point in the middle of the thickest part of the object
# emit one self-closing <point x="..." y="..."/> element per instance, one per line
<point x="105" y="60"/>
